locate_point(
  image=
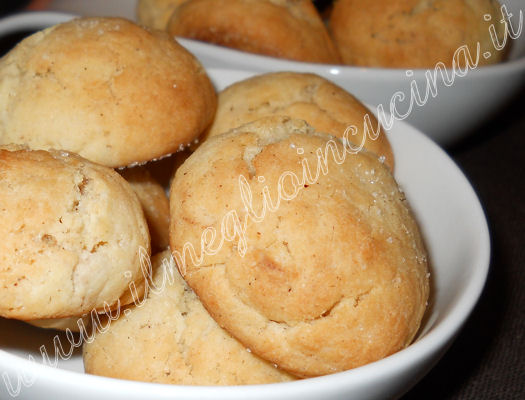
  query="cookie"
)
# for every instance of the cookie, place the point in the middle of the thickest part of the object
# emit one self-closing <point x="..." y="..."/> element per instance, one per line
<point x="72" y="235"/>
<point x="171" y="338"/>
<point x="307" y="254"/>
<point x="416" y="33"/>
<point x="324" y="105"/>
<point x="278" y="28"/>
<point x="106" y="89"/>
<point x="156" y="13"/>
<point x="155" y="204"/>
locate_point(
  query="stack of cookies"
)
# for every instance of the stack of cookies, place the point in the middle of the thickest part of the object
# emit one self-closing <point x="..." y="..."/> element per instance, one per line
<point x="79" y="99"/>
<point x="285" y="250"/>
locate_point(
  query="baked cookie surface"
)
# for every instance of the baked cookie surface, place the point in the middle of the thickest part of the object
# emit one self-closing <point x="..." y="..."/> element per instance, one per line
<point x="317" y="272"/>
<point x="415" y="33"/>
<point x="324" y="105"/>
<point x="279" y="28"/>
<point x="171" y="338"/>
<point x="106" y="89"/>
<point x="71" y="235"/>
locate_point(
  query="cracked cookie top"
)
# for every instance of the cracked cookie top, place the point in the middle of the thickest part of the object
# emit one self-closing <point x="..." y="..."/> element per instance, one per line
<point x="305" y="252"/>
<point x="71" y="235"/>
<point x="104" y="88"/>
<point x="324" y="105"/>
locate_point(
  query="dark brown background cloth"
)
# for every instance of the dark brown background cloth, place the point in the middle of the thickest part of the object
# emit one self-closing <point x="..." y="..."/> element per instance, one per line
<point x="487" y="360"/>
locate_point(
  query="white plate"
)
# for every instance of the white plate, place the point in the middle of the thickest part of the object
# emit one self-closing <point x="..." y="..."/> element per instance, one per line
<point x="456" y="233"/>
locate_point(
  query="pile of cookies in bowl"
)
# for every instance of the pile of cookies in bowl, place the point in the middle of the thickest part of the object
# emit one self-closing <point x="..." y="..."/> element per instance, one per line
<point x="388" y="34"/>
<point x="424" y="59"/>
<point x="193" y="236"/>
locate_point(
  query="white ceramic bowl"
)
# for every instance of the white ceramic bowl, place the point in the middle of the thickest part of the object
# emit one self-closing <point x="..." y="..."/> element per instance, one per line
<point x="456" y="109"/>
<point x="456" y="234"/>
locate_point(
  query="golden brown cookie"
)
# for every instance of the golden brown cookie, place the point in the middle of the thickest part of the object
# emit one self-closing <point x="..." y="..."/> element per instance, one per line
<point x="279" y="28"/>
<point x="71" y="235"/>
<point x="155" y="204"/>
<point x="156" y="13"/>
<point x="106" y="89"/>
<point x="171" y="338"/>
<point x="414" y="33"/>
<point x="324" y="105"/>
<point x="308" y="255"/>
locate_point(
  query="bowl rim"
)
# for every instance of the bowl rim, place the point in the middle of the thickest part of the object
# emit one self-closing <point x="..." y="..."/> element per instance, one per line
<point x="433" y="341"/>
<point x="272" y="63"/>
